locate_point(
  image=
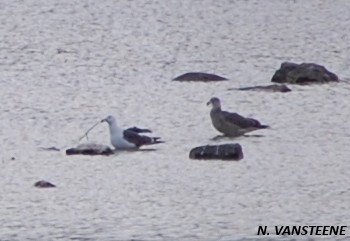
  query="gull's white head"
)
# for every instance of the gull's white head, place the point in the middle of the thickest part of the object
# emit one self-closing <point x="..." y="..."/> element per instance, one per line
<point x="109" y="119"/>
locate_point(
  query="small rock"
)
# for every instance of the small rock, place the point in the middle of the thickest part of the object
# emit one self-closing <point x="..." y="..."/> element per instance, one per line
<point x="305" y="73"/>
<point x="52" y="148"/>
<point x="198" y="76"/>
<point x="268" y="88"/>
<point x="228" y="152"/>
<point x="90" y="149"/>
<point x="43" y="184"/>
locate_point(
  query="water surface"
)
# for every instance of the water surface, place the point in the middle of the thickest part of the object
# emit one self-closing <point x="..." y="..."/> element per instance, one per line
<point x="66" y="64"/>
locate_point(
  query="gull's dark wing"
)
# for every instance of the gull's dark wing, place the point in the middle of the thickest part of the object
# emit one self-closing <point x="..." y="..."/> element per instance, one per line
<point x="139" y="140"/>
<point x="138" y="130"/>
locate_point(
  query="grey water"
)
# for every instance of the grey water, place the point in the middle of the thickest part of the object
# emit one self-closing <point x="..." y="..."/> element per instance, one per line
<point x="66" y="64"/>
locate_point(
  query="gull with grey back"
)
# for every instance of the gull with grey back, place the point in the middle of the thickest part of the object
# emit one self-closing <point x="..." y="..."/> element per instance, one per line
<point x="128" y="139"/>
<point x="231" y="124"/>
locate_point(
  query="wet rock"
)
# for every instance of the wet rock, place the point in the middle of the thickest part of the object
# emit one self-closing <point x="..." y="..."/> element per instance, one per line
<point x="90" y="149"/>
<point x="198" y="76"/>
<point x="43" y="184"/>
<point x="267" y="88"/>
<point x="52" y="148"/>
<point x="228" y="152"/>
<point x="305" y="73"/>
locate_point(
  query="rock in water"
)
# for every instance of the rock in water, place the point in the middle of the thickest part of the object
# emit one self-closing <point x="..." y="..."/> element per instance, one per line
<point x="43" y="184"/>
<point x="198" y="76"/>
<point x="52" y="148"/>
<point x="90" y="149"/>
<point x="228" y="152"/>
<point x="267" y="88"/>
<point x="305" y="73"/>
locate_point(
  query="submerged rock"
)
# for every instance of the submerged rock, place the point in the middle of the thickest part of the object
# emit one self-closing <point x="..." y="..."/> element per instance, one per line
<point x="52" y="148"/>
<point x="43" y="184"/>
<point x="228" y="152"/>
<point x="305" y="73"/>
<point x="267" y="88"/>
<point x="199" y="76"/>
<point x="90" y="149"/>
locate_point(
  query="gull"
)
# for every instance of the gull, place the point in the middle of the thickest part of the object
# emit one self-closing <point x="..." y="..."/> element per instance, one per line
<point x="128" y="139"/>
<point x="231" y="124"/>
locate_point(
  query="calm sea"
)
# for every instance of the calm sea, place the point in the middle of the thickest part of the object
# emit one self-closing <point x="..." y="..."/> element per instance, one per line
<point x="64" y="65"/>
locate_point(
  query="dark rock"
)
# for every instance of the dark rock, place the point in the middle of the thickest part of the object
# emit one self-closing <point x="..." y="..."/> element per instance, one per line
<point x="90" y="149"/>
<point x="198" y="76"/>
<point x="228" y="152"/>
<point x="52" y="148"/>
<point x="268" y="88"/>
<point x="305" y="73"/>
<point x="43" y="184"/>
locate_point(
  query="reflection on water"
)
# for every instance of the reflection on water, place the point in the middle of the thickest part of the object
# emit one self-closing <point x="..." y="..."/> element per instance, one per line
<point x="65" y="65"/>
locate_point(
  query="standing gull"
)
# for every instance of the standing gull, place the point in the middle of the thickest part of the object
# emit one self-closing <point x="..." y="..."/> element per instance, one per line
<point x="231" y="124"/>
<point x="129" y="138"/>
